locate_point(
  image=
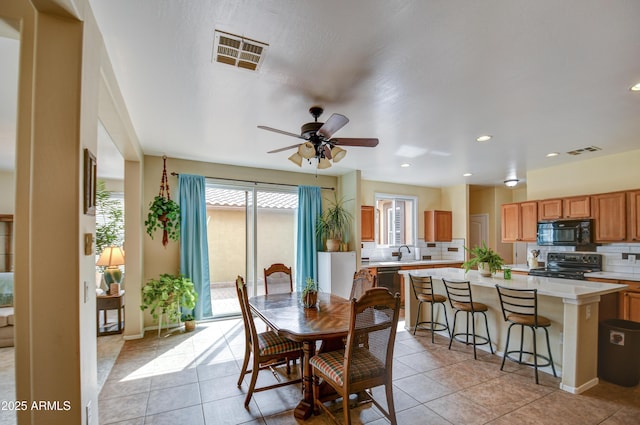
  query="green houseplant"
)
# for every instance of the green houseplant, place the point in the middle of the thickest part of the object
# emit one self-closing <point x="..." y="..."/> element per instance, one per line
<point x="109" y="218"/>
<point x="189" y="322"/>
<point x="164" y="214"/>
<point x="310" y="293"/>
<point x="484" y="258"/>
<point x="166" y="295"/>
<point x="334" y="225"/>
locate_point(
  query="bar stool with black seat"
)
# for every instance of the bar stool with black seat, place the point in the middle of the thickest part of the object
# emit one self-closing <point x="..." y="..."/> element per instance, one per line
<point x="461" y="300"/>
<point x="520" y="307"/>
<point x="423" y="291"/>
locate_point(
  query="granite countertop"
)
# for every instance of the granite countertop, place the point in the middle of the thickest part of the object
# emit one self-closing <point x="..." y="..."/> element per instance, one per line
<point x="615" y="275"/>
<point x="403" y="263"/>
<point x="553" y="287"/>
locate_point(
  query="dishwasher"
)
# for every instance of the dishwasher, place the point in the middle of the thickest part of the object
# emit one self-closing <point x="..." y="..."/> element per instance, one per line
<point x="389" y="278"/>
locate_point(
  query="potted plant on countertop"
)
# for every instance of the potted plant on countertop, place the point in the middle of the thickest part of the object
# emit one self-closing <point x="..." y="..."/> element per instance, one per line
<point x="166" y="295"/>
<point x="333" y="225"/>
<point x="310" y="293"/>
<point x="484" y="258"/>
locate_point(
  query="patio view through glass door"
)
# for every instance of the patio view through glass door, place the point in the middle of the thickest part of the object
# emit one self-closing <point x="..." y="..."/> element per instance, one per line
<point x="248" y="229"/>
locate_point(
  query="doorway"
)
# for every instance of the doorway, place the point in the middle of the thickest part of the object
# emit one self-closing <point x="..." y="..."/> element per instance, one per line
<point x="249" y="227"/>
<point x="478" y="229"/>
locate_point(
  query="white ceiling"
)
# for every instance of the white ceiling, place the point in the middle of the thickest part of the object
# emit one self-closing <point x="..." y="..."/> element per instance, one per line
<point x="425" y="77"/>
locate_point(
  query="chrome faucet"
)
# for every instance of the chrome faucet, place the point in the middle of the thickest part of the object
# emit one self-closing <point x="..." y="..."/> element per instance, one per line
<point x="400" y="251"/>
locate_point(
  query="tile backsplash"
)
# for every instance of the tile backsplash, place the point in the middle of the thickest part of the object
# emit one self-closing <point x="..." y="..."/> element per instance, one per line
<point x="453" y="250"/>
<point x="617" y="257"/>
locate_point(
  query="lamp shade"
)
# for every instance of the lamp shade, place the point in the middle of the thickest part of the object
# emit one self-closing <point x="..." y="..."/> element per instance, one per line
<point x="307" y="150"/>
<point x="324" y="163"/>
<point x="337" y="153"/>
<point x="111" y="256"/>
<point x="296" y="159"/>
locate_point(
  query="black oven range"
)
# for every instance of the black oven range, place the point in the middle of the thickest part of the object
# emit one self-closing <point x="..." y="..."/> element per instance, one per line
<point x="569" y="265"/>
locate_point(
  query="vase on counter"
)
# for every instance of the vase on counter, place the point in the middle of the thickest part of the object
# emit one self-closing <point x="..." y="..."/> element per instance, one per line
<point x="484" y="269"/>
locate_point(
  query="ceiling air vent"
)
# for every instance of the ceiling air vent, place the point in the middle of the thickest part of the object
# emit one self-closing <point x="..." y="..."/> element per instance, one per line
<point x="238" y="51"/>
<point x="584" y="150"/>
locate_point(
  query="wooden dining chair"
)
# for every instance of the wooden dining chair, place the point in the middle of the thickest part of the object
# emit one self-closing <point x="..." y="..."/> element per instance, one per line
<point x="358" y="368"/>
<point x="266" y="348"/>
<point x="278" y="279"/>
<point x="363" y="280"/>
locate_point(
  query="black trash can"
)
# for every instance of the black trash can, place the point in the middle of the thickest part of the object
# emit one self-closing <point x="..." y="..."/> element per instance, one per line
<point x="619" y="352"/>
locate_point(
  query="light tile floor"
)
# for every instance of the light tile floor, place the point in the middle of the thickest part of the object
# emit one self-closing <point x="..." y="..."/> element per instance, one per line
<point x="190" y="378"/>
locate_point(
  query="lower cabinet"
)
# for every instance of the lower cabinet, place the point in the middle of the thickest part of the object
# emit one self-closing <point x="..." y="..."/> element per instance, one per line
<point x="630" y="301"/>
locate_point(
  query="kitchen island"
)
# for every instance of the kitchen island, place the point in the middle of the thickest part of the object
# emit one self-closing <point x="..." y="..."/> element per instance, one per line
<point x="571" y="305"/>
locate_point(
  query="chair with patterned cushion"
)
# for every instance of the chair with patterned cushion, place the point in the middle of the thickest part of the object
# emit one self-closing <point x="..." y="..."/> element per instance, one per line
<point x="520" y="307"/>
<point x="357" y="368"/>
<point x="266" y="348"/>
<point x="423" y="291"/>
<point x="461" y="300"/>
<point x="363" y="280"/>
<point x="278" y="279"/>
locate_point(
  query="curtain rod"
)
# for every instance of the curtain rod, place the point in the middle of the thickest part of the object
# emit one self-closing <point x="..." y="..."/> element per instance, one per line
<point x="254" y="182"/>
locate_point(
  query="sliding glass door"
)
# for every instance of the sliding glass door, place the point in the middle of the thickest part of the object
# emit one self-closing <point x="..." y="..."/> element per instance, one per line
<point x="249" y="227"/>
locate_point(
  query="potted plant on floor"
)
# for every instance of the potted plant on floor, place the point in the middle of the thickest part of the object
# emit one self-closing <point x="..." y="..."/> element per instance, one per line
<point x="189" y="322"/>
<point x="484" y="258"/>
<point x="166" y="295"/>
<point x="334" y="224"/>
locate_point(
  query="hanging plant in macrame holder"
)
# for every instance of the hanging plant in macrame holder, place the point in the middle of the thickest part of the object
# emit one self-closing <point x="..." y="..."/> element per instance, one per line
<point x="164" y="214"/>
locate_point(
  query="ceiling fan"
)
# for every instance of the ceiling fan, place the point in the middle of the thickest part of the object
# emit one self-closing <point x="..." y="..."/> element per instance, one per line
<point x="318" y="143"/>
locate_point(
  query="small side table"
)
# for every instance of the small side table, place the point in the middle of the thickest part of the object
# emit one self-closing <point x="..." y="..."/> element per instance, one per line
<point x="110" y="302"/>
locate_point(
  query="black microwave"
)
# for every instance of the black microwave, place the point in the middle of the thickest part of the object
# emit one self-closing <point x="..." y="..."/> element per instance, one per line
<point x="564" y="232"/>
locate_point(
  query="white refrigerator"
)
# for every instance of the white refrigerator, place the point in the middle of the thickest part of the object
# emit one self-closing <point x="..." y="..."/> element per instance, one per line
<point x="335" y="272"/>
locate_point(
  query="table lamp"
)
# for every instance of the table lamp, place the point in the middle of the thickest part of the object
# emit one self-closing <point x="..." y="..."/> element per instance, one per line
<point x="112" y="258"/>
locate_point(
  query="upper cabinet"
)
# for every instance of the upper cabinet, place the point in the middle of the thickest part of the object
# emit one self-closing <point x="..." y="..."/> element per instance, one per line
<point x="519" y="222"/>
<point x="550" y="209"/>
<point x="438" y="226"/>
<point x="610" y="216"/>
<point x="633" y="215"/>
<point x="576" y="207"/>
<point x="367" y="223"/>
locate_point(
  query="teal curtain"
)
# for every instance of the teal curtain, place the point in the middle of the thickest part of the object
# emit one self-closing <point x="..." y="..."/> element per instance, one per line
<point x="194" y="252"/>
<point x="309" y="207"/>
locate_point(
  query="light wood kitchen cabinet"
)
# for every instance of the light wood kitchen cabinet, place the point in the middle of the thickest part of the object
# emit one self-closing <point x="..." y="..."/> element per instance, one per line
<point x="630" y="301"/>
<point x="576" y="207"/>
<point x="519" y="222"/>
<point x="610" y="216"/>
<point x="550" y="209"/>
<point x="633" y="214"/>
<point x="367" y="223"/>
<point x="438" y="226"/>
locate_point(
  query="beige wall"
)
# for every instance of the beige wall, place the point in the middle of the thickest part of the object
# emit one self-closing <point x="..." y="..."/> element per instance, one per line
<point x="588" y="176"/>
<point x="8" y="191"/>
<point x="456" y="199"/>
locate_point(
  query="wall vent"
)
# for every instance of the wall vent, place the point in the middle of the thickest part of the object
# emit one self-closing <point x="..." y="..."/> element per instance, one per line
<point x="584" y="150"/>
<point x="238" y="51"/>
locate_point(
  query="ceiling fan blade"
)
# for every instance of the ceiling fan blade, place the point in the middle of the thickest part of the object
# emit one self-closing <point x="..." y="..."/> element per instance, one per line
<point x="351" y="141"/>
<point x="275" y="130"/>
<point x="327" y="151"/>
<point x="333" y="124"/>
<point x="284" y="149"/>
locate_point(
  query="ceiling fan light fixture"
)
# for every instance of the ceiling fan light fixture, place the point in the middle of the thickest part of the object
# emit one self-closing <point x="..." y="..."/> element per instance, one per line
<point x="324" y="163"/>
<point x="337" y="153"/>
<point x="511" y="182"/>
<point x="307" y="150"/>
<point x="296" y="159"/>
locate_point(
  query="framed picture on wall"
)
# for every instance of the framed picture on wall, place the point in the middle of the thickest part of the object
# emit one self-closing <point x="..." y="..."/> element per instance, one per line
<point x="90" y="167"/>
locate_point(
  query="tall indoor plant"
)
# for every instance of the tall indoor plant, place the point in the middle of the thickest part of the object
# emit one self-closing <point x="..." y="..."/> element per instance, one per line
<point x="334" y="225"/>
<point x="167" y="295"/>
<point x="484" y="258"/>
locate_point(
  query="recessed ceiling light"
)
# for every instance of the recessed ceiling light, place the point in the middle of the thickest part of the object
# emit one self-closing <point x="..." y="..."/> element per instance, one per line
<point x="405" y="165"/>
<point x="550" y="154"/>
<point x="636" y="87"/>
<point x="484" y="138"/>
<point x="467" y="174"/>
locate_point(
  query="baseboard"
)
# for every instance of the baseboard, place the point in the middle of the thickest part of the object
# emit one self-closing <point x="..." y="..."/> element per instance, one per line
<point x="582" y="388"/>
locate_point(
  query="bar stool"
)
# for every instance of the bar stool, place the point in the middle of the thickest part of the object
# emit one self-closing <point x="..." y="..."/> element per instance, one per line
<point x="423" y="291"/>
<point x="460" y="299"/>
<point x="520" y="307"/>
